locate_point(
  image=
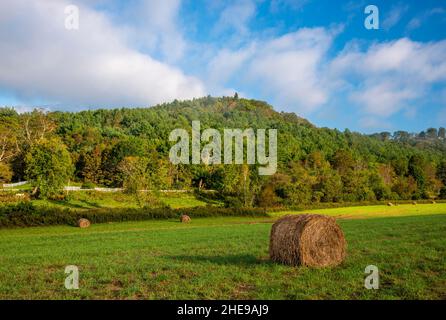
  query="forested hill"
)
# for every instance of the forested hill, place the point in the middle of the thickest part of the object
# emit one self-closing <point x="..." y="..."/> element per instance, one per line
<point x="297" y="137"/>
<point x="315" y="164"/>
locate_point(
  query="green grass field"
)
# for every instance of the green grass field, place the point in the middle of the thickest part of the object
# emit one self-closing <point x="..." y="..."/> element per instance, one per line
<point x="378" y="211"/>
<point x="222" y="258"/>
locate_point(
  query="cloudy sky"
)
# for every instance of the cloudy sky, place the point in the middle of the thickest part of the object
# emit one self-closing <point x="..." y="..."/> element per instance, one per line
<point x="311" y="57"/>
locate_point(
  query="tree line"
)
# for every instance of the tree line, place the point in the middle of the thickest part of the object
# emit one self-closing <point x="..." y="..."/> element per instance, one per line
<point x="129" y="148"/>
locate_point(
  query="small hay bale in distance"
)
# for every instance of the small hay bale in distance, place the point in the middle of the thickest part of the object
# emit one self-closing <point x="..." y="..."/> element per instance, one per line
<point x="307" y="240"/>
<point x="184" y="218"/>
<point x="433" y="202"/>
<point x="414" y="203"/>
<point x="390" y="204"/>
<point x="83" y="223"/>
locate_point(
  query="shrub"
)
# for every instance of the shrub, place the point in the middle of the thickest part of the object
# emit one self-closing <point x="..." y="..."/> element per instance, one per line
<point x="147" y="200"/>
<point x="88" y="185"/>
<point x="59" y="196"/>
<point x="26" y="214"/>
<point x="232" y="202"/>
<point x="267" y="198"/>
<point x="13" y="197"/>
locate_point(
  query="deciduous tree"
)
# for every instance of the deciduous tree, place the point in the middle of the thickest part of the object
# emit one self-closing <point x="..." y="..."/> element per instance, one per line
<point x="48" y="167"/>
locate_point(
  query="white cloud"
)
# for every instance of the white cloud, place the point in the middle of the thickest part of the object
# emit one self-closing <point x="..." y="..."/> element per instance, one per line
<point x="100" y="65"/>
<point x="374" y="123"/>
<point x="383" y="99"/>
<point x="394" y="16"/>
<point x="297" y="73"/>
<point x="418" y="21"/>
<point x="425" y="61"/>
<point x="23" y="109"/>
<point x="413" y="24"/>
<point x="288" y="68"/>
<point x="91" y="66"/>
<point x="155" y="25"/>
<point x="387" y="77"/>
<point x="236" y="16"/>
<point x="276" y="5"/>
<point x="226" y="63"/>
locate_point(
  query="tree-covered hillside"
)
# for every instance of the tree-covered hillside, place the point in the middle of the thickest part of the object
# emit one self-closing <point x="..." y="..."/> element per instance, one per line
<point x="130" y="148"/>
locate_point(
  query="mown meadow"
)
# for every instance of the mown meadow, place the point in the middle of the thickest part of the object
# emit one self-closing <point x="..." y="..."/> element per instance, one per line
<point x="227" y="258"/>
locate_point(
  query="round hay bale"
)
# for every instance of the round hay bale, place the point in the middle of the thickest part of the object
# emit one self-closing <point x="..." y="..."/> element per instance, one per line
<point x="433" y="202"/>
<point x="309" y="239"/>
<point x="83" y="223"/>
<point x="390" y="204"/>
<point x="184" y="218"/>
<point x="414" y="203"/>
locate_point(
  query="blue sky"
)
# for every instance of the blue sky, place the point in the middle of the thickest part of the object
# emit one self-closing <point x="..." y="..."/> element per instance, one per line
<point x="314" y="58"/>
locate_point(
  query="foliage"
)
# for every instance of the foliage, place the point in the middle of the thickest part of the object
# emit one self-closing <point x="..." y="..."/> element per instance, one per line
<point x="443" y="193"/>
<point x="88" y="185"/>
<point x="5" y="172"/>
<point x="25" y="214"/>
<point x="48" y="167"/>
<point x="129" y="148"/>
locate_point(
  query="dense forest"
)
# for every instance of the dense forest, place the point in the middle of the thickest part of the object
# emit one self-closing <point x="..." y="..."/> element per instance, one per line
<point x="129" y="148"/>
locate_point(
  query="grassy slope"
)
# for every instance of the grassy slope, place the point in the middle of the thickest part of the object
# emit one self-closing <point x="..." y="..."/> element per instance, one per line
<point x="84" y="200"/>
<point x="226" y="258"/>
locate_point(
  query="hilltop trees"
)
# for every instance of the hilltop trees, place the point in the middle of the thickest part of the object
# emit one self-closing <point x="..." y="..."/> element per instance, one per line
<point x="432" y="133"/>
<point x="442" y="133"/>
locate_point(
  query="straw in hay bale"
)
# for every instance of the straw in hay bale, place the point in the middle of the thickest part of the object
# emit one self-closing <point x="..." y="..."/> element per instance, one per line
<point x="83" y="223"/>
<point x="184" y="218"/>
<point x="310" y="240"/>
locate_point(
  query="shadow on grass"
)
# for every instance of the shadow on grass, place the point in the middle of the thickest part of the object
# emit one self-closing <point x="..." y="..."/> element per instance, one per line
<point x="92" y="204"/>
<point x="236" y="259"/>
<point x="66" y="204"/>
<point x="208" y="199"/>
<point x="84" y="204"/>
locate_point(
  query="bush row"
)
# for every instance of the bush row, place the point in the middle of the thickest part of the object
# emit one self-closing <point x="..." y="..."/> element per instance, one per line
<point x="25" y="214"/>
